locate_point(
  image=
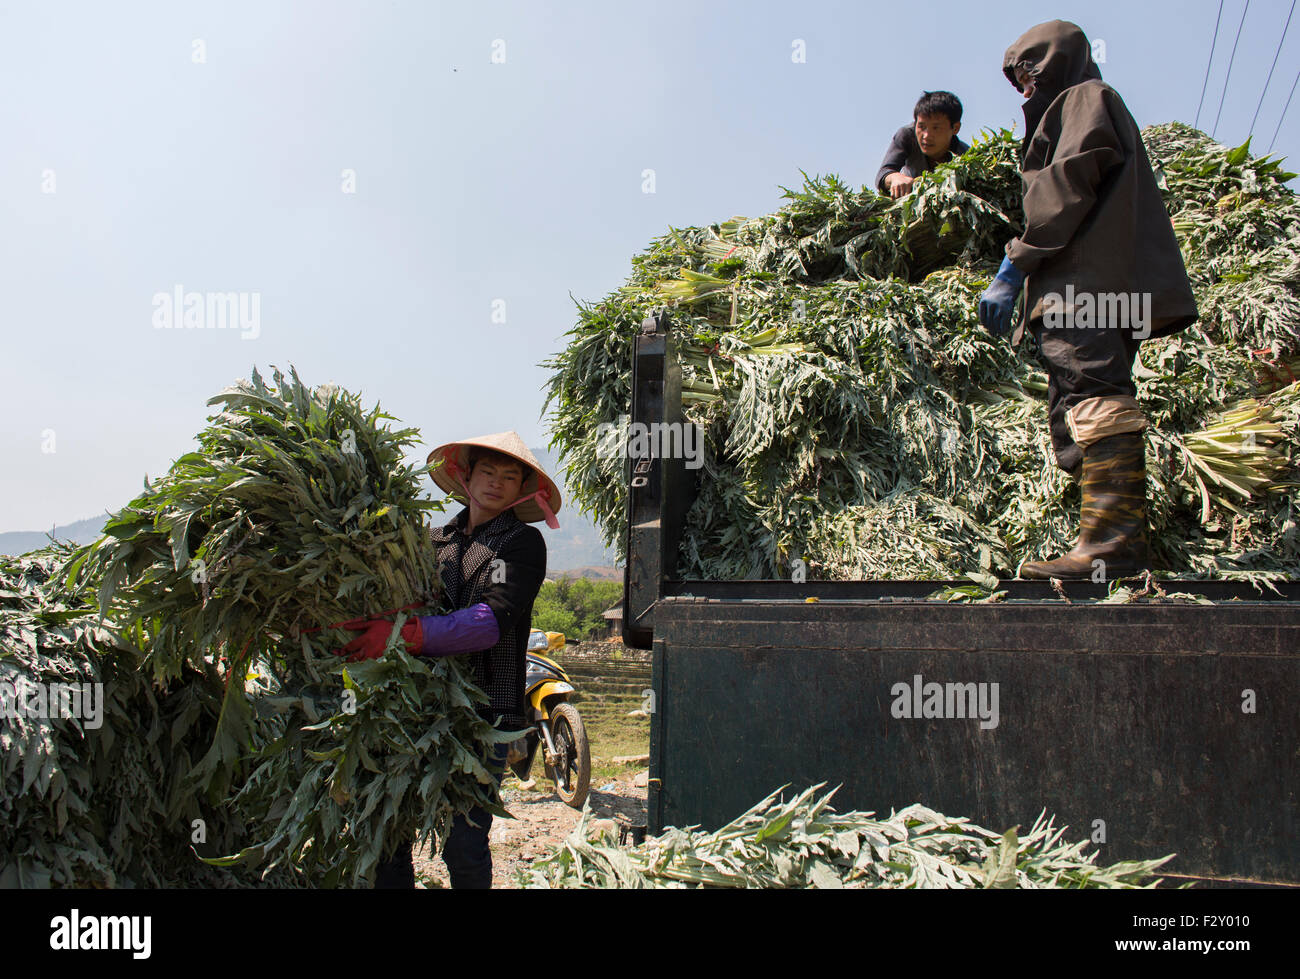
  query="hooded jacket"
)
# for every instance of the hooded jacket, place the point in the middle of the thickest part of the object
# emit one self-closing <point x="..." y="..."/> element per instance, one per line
<point x="1094" y="218"/>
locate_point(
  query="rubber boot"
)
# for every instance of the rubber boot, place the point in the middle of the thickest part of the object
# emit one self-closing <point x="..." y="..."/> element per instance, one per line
<point x="1113" y="517"/>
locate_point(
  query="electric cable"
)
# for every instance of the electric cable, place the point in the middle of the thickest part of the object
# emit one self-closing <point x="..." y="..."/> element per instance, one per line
<point x="1270" y="69"/>
<point x="1284" y="108"/>
<point x="1231" y="58"/>
<point x="1204" y="84"/>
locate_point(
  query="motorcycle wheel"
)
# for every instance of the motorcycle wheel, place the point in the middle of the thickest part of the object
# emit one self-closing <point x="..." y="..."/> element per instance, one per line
<point x="573" y="779"/>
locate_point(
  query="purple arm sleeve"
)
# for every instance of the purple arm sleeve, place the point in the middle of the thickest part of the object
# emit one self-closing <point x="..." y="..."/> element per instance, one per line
<point x="466" y="631"/>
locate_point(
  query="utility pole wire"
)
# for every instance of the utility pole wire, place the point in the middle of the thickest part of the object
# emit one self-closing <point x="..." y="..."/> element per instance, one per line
<point x="1284" y="108"/>
<point x="1270" y="69"/>
<point x="1231" y="58"/>
<point x="1204" y="84"/>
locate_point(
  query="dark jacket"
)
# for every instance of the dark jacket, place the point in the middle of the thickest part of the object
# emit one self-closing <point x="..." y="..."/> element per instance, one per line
<point x="904" y="156"/>
<point x="470" y="576"/>
<point x="1094" y="218"/>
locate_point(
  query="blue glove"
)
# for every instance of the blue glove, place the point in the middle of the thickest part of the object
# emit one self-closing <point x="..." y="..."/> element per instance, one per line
<point x="999" y="299"/>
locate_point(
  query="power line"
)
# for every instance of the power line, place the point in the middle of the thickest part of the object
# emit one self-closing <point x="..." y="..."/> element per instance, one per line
<point x="1284" y="108"/>
<point x="1270" y="69"/>
<point x="1213" y="42"/>
<point x="1231" y="58"/>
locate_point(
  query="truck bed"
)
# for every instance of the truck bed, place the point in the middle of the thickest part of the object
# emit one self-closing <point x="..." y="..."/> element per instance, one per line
<point x="1155" y="727"/>
<point x="1148" y="728"/>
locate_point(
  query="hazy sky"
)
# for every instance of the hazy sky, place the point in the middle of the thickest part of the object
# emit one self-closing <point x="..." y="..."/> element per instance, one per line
<point x="390" y="181"/>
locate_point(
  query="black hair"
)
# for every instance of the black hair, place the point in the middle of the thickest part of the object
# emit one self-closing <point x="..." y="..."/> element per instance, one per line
<point x="479" y="454"/>
<point x="942" y="102"/>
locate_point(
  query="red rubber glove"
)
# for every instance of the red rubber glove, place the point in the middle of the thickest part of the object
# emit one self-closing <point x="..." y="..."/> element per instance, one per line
<point x="374" y="637"/>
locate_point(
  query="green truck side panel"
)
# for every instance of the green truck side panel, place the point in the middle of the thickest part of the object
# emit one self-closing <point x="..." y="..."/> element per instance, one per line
<point x="1132" y="718"/>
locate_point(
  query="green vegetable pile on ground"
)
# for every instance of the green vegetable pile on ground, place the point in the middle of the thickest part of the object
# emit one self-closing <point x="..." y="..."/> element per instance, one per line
<point x="221" y="586"/>
<point x="806" y="843"/>
<point x="96" y="791"/>
<point x="857" y="417"/>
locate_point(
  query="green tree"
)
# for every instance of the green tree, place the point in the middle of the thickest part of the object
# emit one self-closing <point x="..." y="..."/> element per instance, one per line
<point x="575" y="606"/>
<point x="551" y="616"/>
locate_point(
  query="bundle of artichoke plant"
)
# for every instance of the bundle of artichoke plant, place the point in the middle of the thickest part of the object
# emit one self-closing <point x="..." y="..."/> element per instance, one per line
<point x="857" y="417"/>
<point x="232" y="572"/>
<point x="803" y="842"/>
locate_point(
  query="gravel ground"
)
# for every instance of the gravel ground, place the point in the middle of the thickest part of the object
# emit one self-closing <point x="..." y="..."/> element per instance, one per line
<point x="541" y="821"/>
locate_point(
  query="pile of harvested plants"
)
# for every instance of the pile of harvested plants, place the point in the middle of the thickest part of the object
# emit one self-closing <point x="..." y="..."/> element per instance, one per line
<point x="856" y="416"/>
<point x="97" y="762"/>
<point x="806" y="843"/>
<point x="209" y="611"/>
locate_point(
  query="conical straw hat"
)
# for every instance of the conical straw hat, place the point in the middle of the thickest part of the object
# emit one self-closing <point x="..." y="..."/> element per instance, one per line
<point x="455" y="467"/>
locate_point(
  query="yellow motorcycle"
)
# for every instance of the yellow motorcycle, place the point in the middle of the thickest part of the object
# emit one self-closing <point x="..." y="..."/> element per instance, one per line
<point x="557" y="725"/>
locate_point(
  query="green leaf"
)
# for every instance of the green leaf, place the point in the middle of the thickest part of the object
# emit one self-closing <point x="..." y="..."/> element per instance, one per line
<point x="1238" y="156"/>
<point x="1000" y="865"/>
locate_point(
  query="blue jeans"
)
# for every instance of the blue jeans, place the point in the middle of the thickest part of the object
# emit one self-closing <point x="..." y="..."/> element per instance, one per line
<point x="466" y="851"/>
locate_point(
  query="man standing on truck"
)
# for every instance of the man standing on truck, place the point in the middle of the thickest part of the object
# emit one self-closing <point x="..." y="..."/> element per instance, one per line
<point x="1103" y="272"/>
<point x="920" y="147"/>
<point x="492" y="565"/>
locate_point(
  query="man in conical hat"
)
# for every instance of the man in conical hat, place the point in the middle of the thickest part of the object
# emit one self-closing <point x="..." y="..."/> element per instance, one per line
<point x="492" y="564"/>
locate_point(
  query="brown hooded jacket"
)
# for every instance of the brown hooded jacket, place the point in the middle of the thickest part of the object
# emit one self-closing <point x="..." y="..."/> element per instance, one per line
<point x="1094" y="218"/>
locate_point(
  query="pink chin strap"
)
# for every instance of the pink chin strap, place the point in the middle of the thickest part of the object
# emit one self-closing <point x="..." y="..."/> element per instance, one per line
<point x="542" y="495"/>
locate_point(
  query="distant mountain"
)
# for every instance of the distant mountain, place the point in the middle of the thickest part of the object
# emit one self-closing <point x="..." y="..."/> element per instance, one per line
<point x="21" y="541"/>
<point x="577" y="543"/>
<point x="608" y="573"/>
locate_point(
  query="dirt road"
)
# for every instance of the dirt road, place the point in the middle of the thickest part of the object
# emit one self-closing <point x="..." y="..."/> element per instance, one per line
<point x="541" y="821"/>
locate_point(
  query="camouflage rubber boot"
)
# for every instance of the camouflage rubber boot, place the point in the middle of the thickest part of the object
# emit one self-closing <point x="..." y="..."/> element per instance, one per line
<point x="1113" y="518"/>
